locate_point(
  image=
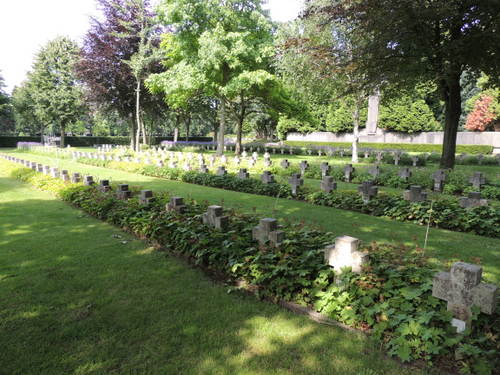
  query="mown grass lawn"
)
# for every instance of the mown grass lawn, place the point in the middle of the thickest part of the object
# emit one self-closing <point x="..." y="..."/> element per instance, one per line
<point x="78" y="296"/>
<point x="443" y="245"/>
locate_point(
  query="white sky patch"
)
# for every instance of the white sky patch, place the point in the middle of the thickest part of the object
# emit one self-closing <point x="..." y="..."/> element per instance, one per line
<point x="27" y="25"/>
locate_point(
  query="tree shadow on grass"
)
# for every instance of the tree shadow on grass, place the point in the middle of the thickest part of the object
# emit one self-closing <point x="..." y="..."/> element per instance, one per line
<point x="79" y="296"/>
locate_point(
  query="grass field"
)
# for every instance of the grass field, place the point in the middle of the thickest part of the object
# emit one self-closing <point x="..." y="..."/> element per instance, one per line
<point x="78" y="296"/>
<point x="444" y="246"/>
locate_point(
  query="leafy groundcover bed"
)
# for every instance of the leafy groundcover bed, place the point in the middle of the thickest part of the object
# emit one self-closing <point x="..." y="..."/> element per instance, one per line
<point x="391" y="297"/>
<point x="446" y="212"/>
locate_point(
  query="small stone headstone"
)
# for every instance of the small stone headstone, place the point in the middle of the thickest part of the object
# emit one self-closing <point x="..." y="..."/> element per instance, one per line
<point x="345" y="253"/>
<point x="88" y="180"/>
<point x="267" y="231"/>
<point x="414" y="160"/>
<point x="439" y="177"/>
<point x="367" y="191"/>
<point x="379" y="156"/>
<point x="104" y="186"/>
<point x="123" y="192"/>
<point x="267" y="177"/>
<point x="203" y="168"/>
<point x="462" y="288"/>
<point x="54" y="172"/>
<point x="295" y="182"/>
<point x="328" y="184"/>
<point x="285" y="164"/>
<point x="76" y="178"/>
<point x="397" y="157"/>
<point x="415" y="194"/>
<point x="404" y="173"/>
<point x="243" y="174"/>
<point x="366" y="154"/>
<point x="374" y="171"/>
<point x="477" y="180"/>
<point x="325" y="169"/>
<point x="304" y="165"/>
<point x="221" y="171"/>
<point x="65" y="175"/>
<point x="46" y="169"/>
<point x="146" y="197"/>
<point x="176" y="204"/>
<point x="348" y="172"/>
<point x="473" y="199"/>
<point x="214" y="218"/>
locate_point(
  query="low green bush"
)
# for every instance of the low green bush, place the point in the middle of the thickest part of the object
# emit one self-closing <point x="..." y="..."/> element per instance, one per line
<point x="392" y="296"/>
<point x="449" y="215"/>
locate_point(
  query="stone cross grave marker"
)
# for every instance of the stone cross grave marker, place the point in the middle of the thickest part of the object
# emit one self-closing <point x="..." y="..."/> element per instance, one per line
<point x="46" y="169"/>
<point x="160" y="164"/>
<point x="187" y="166"/>
<point x="473" y="199"/>
<point x="348" y="172"/>
<point x="76" y="178"/>
<point x="243" y="174"/>
<point x="462" y="288"/>
<point x="251" y="162"/>
<point x="345" y="253"/>
<point x="104" y="186"/>
<point x="237" y="160"/>
<point x="397" y="157"/>
<point x="221" y="171"/>
<point x="414" y="160"/>
<point x="304" y="165"/>
<point x="366" y="154"/>
<point x="374" y="171"/>
<point x="325" y="169"/>
<point x="267" y="162"/>
<point x="439" y="177"/>
<point x="267" y="231"/>
<point x="54" y="172"/>
<point x="267" y="177"/>
<point x="379" y="156"/>
<point x="203" y="168"/>
<point x="415" y="194"/>
<point x="404" y="173"/>
<point x="146" y="197"/>
<point x="328" y="184"/>
<point x="123" y="192"/>
<point x="477" y="180"/>
<point x="341" y="153"/>
<point x="244" y="154"/>
<point x="295" y="181"/>
<point x="88" y="180"/>
<point x="290" y="150"/>
<point x="223" y="159"/>
<point x="282" y="151"/>
<point x="309" y="152"/>
<point x="176" y="204"/>
<point x="285" y="164"/>
<point x="172" y="164"/>
<point x="65" y="175"/>
<point x="214" y="218"/>
<point x="367" y="191"/>
<point x="39" y="168"/>
<point x="255" y="156"/>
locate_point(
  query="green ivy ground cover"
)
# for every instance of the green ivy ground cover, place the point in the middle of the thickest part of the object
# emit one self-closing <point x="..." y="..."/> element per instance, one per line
<point x="444" y="246"/>
<point x="75" y="299"/>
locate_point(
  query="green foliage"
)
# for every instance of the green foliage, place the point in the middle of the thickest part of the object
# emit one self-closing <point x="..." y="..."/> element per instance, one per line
<point x="407" y="114"/>
<point x="391" y="296"/>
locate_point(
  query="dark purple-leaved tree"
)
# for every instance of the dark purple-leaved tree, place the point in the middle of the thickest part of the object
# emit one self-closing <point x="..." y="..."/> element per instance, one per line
<point x="108" y="48"/>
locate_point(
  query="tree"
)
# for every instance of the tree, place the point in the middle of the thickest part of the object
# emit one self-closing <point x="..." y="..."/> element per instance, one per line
<point x="6" y="112"/>
<point x="25" y="114"/>
<point x="55" y="91"/>
<point x="426" y="41"/>
<point x="112" y="59"/>
<point x="217" y="48"/>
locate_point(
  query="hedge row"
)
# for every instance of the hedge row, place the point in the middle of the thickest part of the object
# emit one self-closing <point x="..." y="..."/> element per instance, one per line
<point x="409" y="147"/>
<point x="447" y="215"/>
<point x="392" y="296"/>
<point x="81" y="141"/>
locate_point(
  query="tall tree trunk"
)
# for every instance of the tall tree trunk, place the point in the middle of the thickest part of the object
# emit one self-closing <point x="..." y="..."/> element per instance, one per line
<point x="355" y="123"/>
<point x="138" y="114"/>
<point x="63" y="136"/>
<point x="222" y="127"/>
<point x="453" y="107"/>
<point x="143" y="129"/>
<point x="188" y="127"/>
<point x="239" y="130"/>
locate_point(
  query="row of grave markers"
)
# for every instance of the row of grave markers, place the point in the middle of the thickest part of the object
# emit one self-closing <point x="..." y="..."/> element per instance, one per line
<point x="461" y="287"/>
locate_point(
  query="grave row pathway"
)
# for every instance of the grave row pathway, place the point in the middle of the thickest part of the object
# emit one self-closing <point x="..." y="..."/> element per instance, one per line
<point x="442" y="244"/>
<point x="79" y="296"/>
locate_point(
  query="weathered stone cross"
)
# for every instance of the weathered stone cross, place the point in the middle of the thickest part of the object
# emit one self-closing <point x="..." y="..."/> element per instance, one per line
<point x="325" y="169"/>
<point x="243" y="174"/>
<point x="439" y="177"/>
<point x="345" y="254"/>
<point x="104" y="186"/>
<point x="348" y="171"/>
<point x="295" y="181"/>
<point x="415" y="194"/>
<point x="374" y="171"/>
<point x="221" y="171"/>
<point x="285" y="164"/>
<point x="473" y="200"/>
<point x="303" y="166"/>
<point x="176" y="204"/>
<point x="328" y="184"/>
<point x="146" y="197"/>
<point x="213" y="217"/>
<point x="267" y="177"/>
<point x="462" y="288"/>
<point x="123" y="192"/>
<point x="404" y="173"/>
<point x="367" y="191"/>
<point x="267" y="231"/>
<point x="477" y="180"/>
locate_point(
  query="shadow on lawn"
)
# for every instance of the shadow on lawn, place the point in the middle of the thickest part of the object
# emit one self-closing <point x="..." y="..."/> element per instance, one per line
<point x="75" y="299"/>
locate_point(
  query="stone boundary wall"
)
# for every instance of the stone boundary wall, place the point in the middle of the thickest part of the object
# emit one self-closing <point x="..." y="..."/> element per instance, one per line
<point x="463" y="138"/>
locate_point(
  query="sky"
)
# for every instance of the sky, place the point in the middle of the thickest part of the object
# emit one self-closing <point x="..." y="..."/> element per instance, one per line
<point x="26" y="25"/>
